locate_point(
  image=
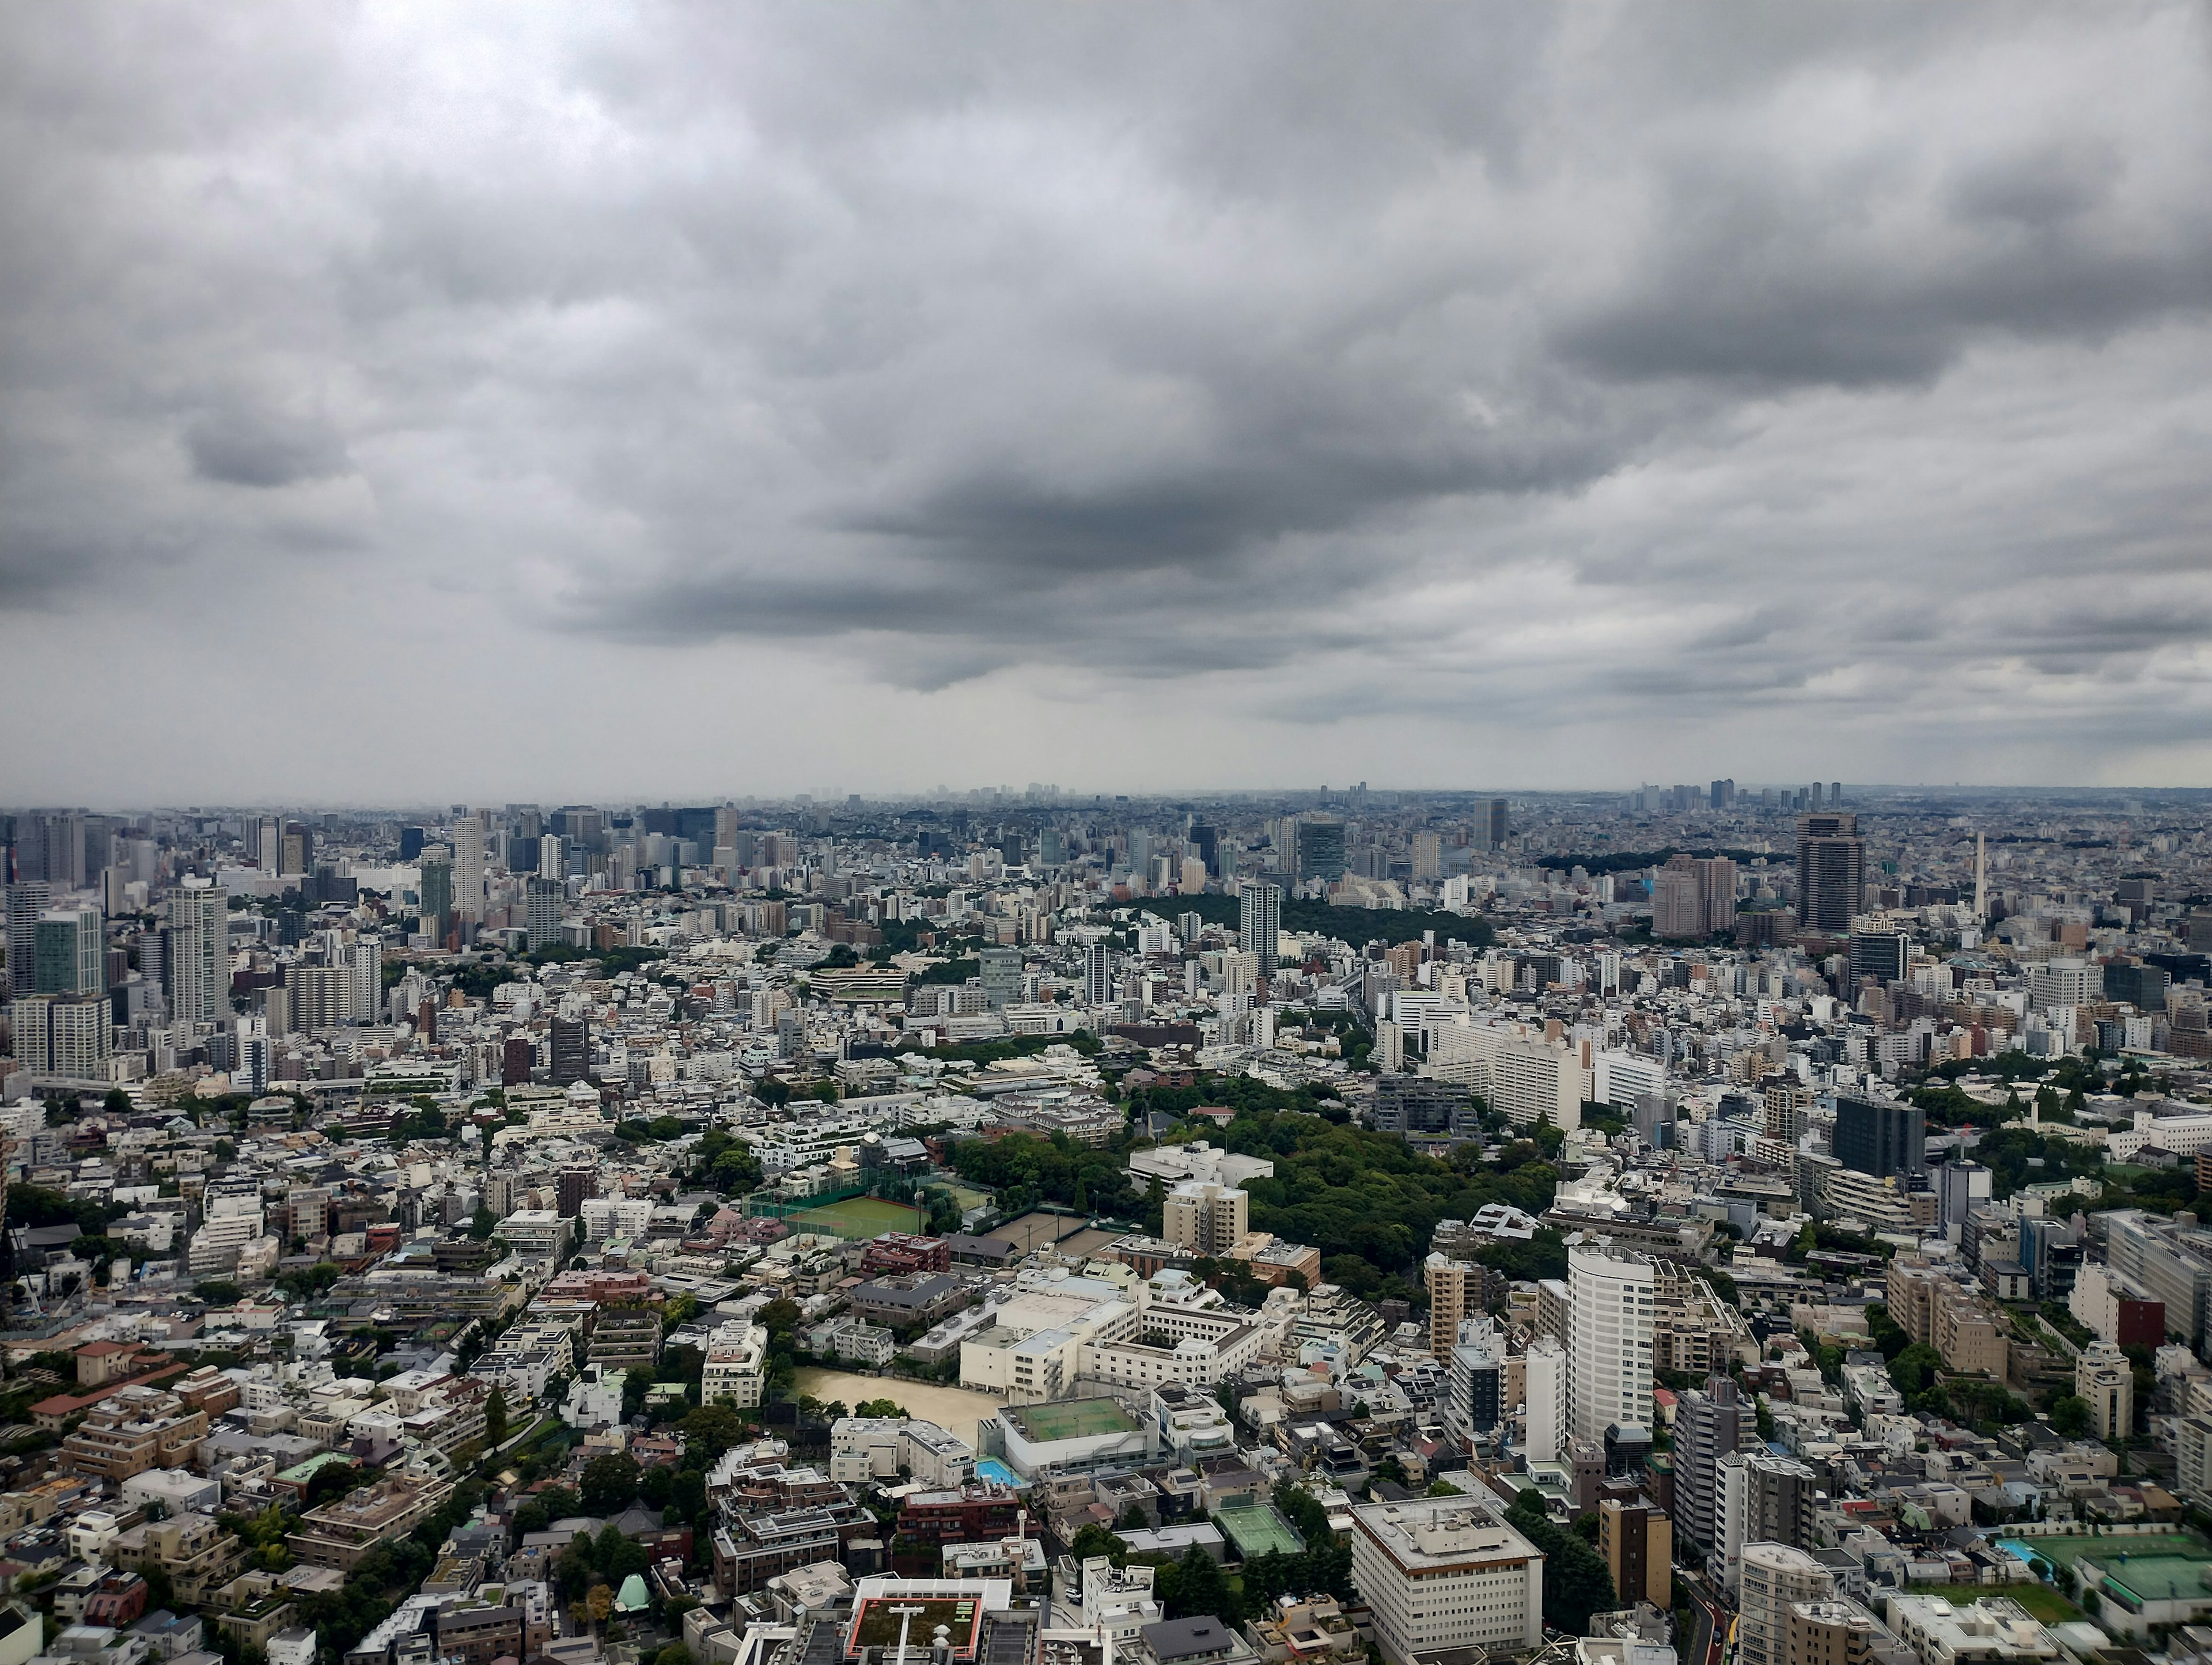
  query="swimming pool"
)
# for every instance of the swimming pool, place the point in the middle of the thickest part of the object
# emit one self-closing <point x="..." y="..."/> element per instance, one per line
<point x="990" y="1469"/>
<point x="2017" y="1550"/>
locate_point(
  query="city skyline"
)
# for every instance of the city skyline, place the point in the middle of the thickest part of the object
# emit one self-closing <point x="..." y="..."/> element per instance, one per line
<point x="449" y="403"/>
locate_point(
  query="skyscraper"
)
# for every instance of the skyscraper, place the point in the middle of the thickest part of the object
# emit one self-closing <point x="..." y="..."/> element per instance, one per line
<point x="1708" y="1426"/>
<point x="199" y="953"/>
<point x="571" y="1050"/>
<point x="1609" y="1346"/>
<point x="469" y="870"/>
<point x="1002" y="976"/>
<point x="71" y="952"/>
<point x="26" y="901"/>
<point x="1880" y="1137"/>
<point x="1495" y="825"/>
<point x="1259" y="922"/>
<point x="1831" y="871"/>
<point x="543" y="918"/>
<point x="1428" y="855"/>
<point x="1098" y="976"/>
<point x="1321" y="850"/>
<point x="435" y="888"/>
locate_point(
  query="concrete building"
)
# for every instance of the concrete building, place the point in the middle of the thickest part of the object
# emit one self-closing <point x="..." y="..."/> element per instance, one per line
<point x="1204" y="1216"/>
<point x="1612" y="1296"/>
<point x="1708" y="1426"/>
<point x="1545" y="1417"/>
<point x="2104" y="1376"/>
<point x="1774" y="1578"/>
<point x="1446" y="1573"/>
<point x="1637" y="1542"/>
<point x="1994" y="1630"/>
<point x="736" y="1356"/>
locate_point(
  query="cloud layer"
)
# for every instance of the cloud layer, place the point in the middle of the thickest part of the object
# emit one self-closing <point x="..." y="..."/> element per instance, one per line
<point x="1588" y="388"/>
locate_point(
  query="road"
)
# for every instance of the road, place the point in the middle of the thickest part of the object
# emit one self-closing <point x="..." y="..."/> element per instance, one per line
<point x="1712" y="1627"/>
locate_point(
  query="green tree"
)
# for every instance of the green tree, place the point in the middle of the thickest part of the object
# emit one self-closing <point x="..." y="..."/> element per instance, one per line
<point x="2070" y="1416"/>
<point x="1095" y="1540"/>
<point x="608" y="1483"/>
<point x="495" y="1416"/>
<point x="711" y="1429"/>
<point x="1576" y="1581"/>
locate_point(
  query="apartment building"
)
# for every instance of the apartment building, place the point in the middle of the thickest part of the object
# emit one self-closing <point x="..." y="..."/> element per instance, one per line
<point x="1446" y="1573"/>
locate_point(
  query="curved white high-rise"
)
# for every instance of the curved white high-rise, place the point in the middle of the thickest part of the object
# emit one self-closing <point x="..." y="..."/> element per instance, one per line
<point x="1612" y="1298"/>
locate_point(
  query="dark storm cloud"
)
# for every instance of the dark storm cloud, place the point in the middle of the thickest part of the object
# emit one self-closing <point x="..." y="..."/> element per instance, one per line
<point x="1549" y="362"/>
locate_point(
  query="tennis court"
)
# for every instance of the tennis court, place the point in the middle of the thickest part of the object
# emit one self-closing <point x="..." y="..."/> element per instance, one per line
<point x="1258" y="1528"/>
<point x="1071" y="1419"/>
<point x="858" y="1216"/>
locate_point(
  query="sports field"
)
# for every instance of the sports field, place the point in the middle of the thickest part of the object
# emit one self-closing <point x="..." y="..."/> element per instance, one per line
<point x="858" y="1216"/>
<point x="1257" y="1529"/>
<point x="2105" y="1550"/>
<point x="1071" y="1419"/>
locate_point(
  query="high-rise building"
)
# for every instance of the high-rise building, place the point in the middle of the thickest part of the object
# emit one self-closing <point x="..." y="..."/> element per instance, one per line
<point x="1636" y="1543"/>
<point x="1774" y="1577"/>
<point x="1612" y="1296"/>
<point x="1428" y="855"/>
<point x="1764" y="1498"/>
<point x="573" y="1186"/>
<point x="516" y="1058"/>
<point x="26" y="901"/>
<point x="552" y="858"/>
<point x="434" y="886"/>
<point x="1831" y="871"/>
<point x="268" y="844"/>
<point x="1493" y="825"/>
<point x="2103" y="1376"/>
<point x="1097" y="975"/>
<point x="469" y="870"/>
<point x="1544" y="1401"/>
<point x="199" y="953"/>
<point x="1321" y="850"/>
<point x="1838" y="1632"/>
<point x="65" y="1035"/>
<point x="1708" y="1426"/>
<point x="1002" y="976"/>
<point x="1880" y="1137"/>
<point x="1260" y="921"/>
<point x="1455" y="1290"/>
<point x="1881" y="954"/>
<point x="71" y="955"/>
<point x="1474" y="1380"/>
<point x="1961" y="1187"/>
<point x="543" y="902"/>
<point x="571" y="1047"/>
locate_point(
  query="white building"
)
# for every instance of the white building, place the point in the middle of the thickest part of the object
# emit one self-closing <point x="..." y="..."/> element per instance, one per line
<point x="1199" y="1160"/>
<point x="1613" y="1297"/>
<point x="1775" y="1577"/>
<point x="1544" y="1427"/>
<point x="737" y="1359"/>
<point x="595" y="1399"/>
<point x="1531" y="1077"/>
<point x="1992" y="1630"/>
<point x="1446" y="1573"/>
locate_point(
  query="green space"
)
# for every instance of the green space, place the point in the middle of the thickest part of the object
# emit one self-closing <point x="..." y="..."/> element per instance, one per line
<point x="859" y="1216"/>
<point x="1256" y="1529"/>
<point x="2157" y="1577"/>
<point x="2040" y="1601"/>
<point x="1071" y="1419"/>
<point x="880" y="1622"/>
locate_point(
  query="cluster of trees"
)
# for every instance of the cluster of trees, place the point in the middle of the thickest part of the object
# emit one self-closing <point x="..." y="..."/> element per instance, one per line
<point x="342" y="1616"/>
<point x="722" y="1164"/>
<point x="1916" y="1372"/>
<point x="1026" y="1169"/>
<point x="1576" y="1581"/>
<point x="2018" y="1155"/>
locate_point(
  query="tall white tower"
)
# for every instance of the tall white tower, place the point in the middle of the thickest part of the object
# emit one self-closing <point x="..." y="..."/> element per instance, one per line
<point x="1611" y="1293"/>
<point x="469" y="867"/>
<point x="199" y="953"/>
<point x="1545" y="1424"/>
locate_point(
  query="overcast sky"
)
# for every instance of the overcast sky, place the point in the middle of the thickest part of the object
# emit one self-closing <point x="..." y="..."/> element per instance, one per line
<point x="480" y="402"/>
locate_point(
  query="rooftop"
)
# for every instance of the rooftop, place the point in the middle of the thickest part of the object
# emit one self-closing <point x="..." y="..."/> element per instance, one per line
<point x="1071" y="1418"/>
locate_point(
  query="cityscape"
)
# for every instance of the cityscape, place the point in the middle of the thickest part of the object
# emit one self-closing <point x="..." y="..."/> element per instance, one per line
<point x="986" y="834"/>
<point x="1707" y="1220"/>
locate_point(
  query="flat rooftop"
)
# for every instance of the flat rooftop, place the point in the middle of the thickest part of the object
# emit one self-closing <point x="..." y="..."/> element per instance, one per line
<point x="1070" y="1419"/>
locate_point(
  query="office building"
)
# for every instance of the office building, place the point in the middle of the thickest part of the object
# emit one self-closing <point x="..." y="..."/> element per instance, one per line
<point x="26" y="903"/>
<point x="1097" y="975"/>
<point x="1260" y="921"/>
<point x="1493" y="824"/>
<point x="1774" y="1578"/>
<point x="1002" y="976"/>
<point x="1612" y="1296"/>
<point x="434" y="888"/>
<point x="1428" y="855"/>
<point x="71" y="952"/>
<point x="1881" y="954"/>
<point x="1205" y="1218"/>
<point x="1544" y="1402"/>
<point x="1321" y="850"/>
<point x="1708" y="1427"/>
<point x="1442" y="1573"/>
<point x="1763" y="1499"/>
<point x="2104" y="1376"/>
<point x="1693" y="897"/>
<point x="1636" y="1543"/>
<point x="199" y="953"/>
<point x="1880" y="1137"/>
<point x="571" y="1050"/>
<point x="1831" y="872"/>
<point x="1961" y="1187"/>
